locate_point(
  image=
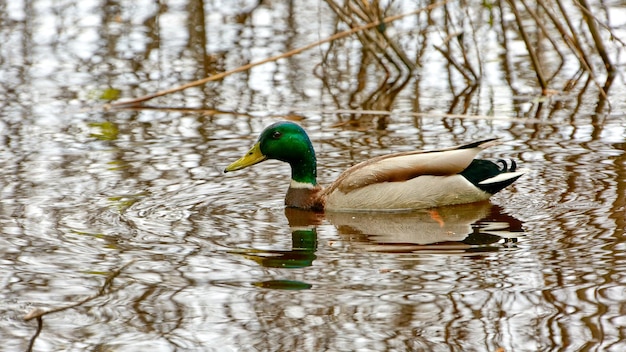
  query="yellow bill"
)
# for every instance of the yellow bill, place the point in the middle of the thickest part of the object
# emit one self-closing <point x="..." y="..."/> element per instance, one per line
<point x="254" y="156"/>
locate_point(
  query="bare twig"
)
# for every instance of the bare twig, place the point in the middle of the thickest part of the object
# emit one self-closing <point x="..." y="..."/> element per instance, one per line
<point x="454" y="35"/>
<point x="456" y="65"/>
<point x="531" y="49"/>
<point x="571" y="37"/>
<point x="595" y="33"/>
<point x="602" y="24"/>
<point x="221" y="75"/>
<point x="574" y="43"/>
<point x="540" y="24"/>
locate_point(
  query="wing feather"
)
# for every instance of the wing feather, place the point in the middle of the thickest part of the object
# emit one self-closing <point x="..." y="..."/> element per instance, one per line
<point x="405" y="166"/>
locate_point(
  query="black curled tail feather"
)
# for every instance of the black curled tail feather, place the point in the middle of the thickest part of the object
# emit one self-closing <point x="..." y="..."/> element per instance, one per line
<point x="481" y="170"/>
<point x="506" y="167"/>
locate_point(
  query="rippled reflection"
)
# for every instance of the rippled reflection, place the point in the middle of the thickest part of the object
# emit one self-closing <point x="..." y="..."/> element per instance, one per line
<point x="464" y="227"/>
<point x="467" y="228"/>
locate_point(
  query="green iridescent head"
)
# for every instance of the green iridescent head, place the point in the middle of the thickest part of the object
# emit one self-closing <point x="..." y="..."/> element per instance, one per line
<point x="284" y="141"/>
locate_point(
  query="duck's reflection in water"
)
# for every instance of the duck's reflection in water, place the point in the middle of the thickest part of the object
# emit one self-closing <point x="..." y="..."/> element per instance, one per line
<point x="468" y="227"/>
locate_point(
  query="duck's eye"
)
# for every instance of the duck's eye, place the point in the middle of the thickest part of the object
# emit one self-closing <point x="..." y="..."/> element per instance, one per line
<point x="276" y="134"/>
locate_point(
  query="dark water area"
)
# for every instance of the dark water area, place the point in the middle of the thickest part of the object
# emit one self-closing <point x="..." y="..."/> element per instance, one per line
<point x="120" y="231"/>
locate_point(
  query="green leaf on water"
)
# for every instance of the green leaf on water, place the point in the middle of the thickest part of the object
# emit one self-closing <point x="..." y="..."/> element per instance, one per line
<point x="110" y="94"/>
<point x="108" y="131"/>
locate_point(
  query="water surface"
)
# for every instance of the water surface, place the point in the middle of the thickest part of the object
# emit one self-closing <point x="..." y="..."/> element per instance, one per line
<point x="122" y="226"/>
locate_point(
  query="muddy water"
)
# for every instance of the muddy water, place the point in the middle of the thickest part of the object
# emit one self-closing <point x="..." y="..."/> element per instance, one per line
<point x="121" y="229"/>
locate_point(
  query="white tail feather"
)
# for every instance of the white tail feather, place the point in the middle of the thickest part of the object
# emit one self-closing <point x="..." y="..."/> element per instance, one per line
<point x="502" y="177"/>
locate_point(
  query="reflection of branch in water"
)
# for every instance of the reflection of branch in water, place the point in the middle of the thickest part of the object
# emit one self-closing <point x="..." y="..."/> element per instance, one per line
<point x="460" y="68"/>
<point x="465" y="96"/>
<point x="454" y="34"/>
<point x="380" y="22"/>
<point x="573" y="36"/>
<point x="530" y="47"/>
<point x="39" y="328"/>
<point x="38" y="313"/>
<point x="384" y="68"/>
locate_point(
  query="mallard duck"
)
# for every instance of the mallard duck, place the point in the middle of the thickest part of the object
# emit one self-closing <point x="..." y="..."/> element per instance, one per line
<point x="394" y="182"/>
